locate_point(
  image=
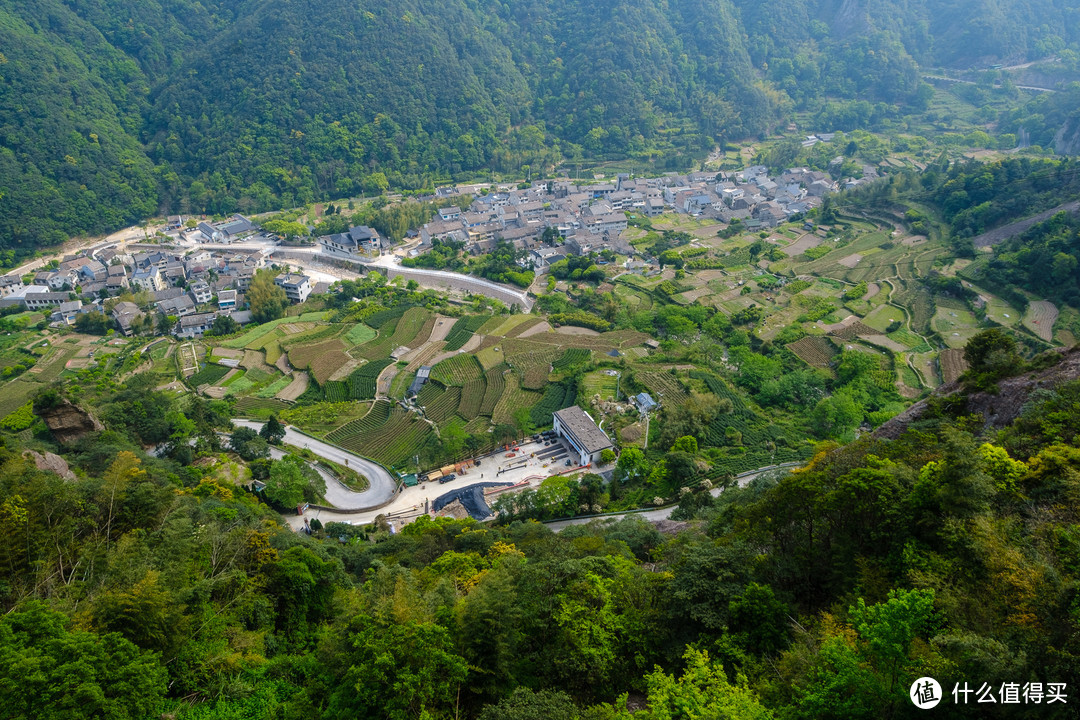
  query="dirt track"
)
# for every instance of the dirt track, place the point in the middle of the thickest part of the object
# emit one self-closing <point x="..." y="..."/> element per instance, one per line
<point x="993" y="237"/>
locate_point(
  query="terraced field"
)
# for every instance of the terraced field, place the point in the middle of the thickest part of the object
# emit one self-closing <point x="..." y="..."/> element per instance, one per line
<point x="1040" y="318"/>
<point x="495" y="386"/>
<point x="457" y="370"/>
<point x="662" y="385"/>
<point x="252" y="336"/>
<point x="392" y="442"/>
<point x="556" y="397"/>
<point x="210" y="375"/>
<point x="464" y="329"/>
<point x="441" y="403"/>
<point x="258" y="407"/>
<point x="374" y="419"/>
<point x="513" y="398"/>
<point x="406" y="331"/>
<point x="362" y="380"/>
<point x="472" y="396"/>
<point x="814" y="351"/>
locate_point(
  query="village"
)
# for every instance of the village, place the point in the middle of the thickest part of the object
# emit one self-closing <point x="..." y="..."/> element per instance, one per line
<point x="193" y="272"/>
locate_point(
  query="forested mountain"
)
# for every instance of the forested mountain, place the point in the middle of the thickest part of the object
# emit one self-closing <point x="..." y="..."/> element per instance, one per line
<point x="112" y="110"/>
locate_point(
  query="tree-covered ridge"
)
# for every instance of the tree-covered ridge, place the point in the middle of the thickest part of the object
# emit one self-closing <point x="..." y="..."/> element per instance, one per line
<point x="113" y="110"/>
<point x="69" y="111"/>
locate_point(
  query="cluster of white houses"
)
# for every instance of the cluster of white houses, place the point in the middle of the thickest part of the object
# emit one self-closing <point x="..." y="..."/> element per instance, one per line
<point x="550" y="219"/>
<point x="593" y="218"/>
<point x="195" y="287"/>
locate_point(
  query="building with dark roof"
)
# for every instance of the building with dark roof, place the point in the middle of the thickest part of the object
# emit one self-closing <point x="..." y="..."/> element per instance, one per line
<point x="421" y="378"/>
<point x="359" y="239"/>
<point x="585" y="437"/>
<point x="645" y="402"/>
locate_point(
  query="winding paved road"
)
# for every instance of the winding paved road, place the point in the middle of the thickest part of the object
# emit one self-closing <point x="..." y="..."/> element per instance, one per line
<point x="381" y="484"/>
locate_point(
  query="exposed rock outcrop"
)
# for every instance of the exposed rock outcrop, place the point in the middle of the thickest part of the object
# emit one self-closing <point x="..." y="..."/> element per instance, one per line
<point x="50" y="462"/>
<point x="1067" y="139"/>
<point x="998" y="409"/>
<point x="68" y="422"/>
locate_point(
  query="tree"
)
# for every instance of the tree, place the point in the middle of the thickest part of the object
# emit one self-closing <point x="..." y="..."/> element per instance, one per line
<point x="286" y="484"/>
<point x="607" y="456"/>
<point x="48" y="670"/>
<point x="686" y="444"/>
<point x="273" y="431"/>
<point x="268" y="301"/>
<point x="399" y="671"/>
<point x="286" y="229"/>
<point x="702" y="692"/>
<point x="992" y="352"/>
<point x="247" y="443"/>
<point x="165" y="323"/>
<point x="525" y="704"/>
<point x="632" y="465"/>
<point x="836" y="417"/>
<point x="124" y="471"/>
<point x="223" y="325"/>
<point x="92" y="323"/>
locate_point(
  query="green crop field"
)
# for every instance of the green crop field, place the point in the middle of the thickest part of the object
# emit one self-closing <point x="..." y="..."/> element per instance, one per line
<point x="274" y="388"/>
<point x="258" y="407"/>
<point x="556" y="397"/>
<point x="361" y="383"/>
<point x="392" y="441"/>
<point x="599" y="383"/>
<point x="472" y="396"/>
<point x="405" y="332"/>
<point x="14" y="395"/>
<point x="444" y="406"/>
<point x="514" y="398"/>
<point x="374" y="419"/>
<point x="662" y="385"/>
<point x="260" y="330"/>
<point x="573" y="356"/>
<point x="208" y="375"/>
<point x="457" y="370"/>
<point x="495" y="385"/>
<point x="464" y="329"/>
<point x="359" y="334"/>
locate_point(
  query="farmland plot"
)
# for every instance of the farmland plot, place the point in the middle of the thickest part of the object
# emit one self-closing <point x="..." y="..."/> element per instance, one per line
<point x="952" y="363"/>
<point x="1040" y="318"/>
<point x="457" y="370"/>
<point x="955" y="326"/>
<point x="472" y="396"/>
<point x="662" y="384"/>
<point x="463" y="330"/>
<point x="443" y="407"/>
<point x="495" y="385"/>
<point x="374" y="419"/>
<point x="814" y="351"/>
<point x="393" y="442"/>
<point x="361" y="382"/>
<point x="514" y="398"/>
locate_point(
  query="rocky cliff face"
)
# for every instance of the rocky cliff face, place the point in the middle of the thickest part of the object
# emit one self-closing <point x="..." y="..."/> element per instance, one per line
<point x="69" y="422"/>
<point x="997" y="409"/>
<point x="1067" y="139"/>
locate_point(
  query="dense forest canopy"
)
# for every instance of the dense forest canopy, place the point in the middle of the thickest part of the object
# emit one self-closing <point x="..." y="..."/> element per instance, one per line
<point x="114" y="110"/>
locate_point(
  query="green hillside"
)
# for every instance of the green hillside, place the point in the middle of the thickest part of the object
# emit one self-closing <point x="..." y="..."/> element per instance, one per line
<point x="115" y="110"/>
